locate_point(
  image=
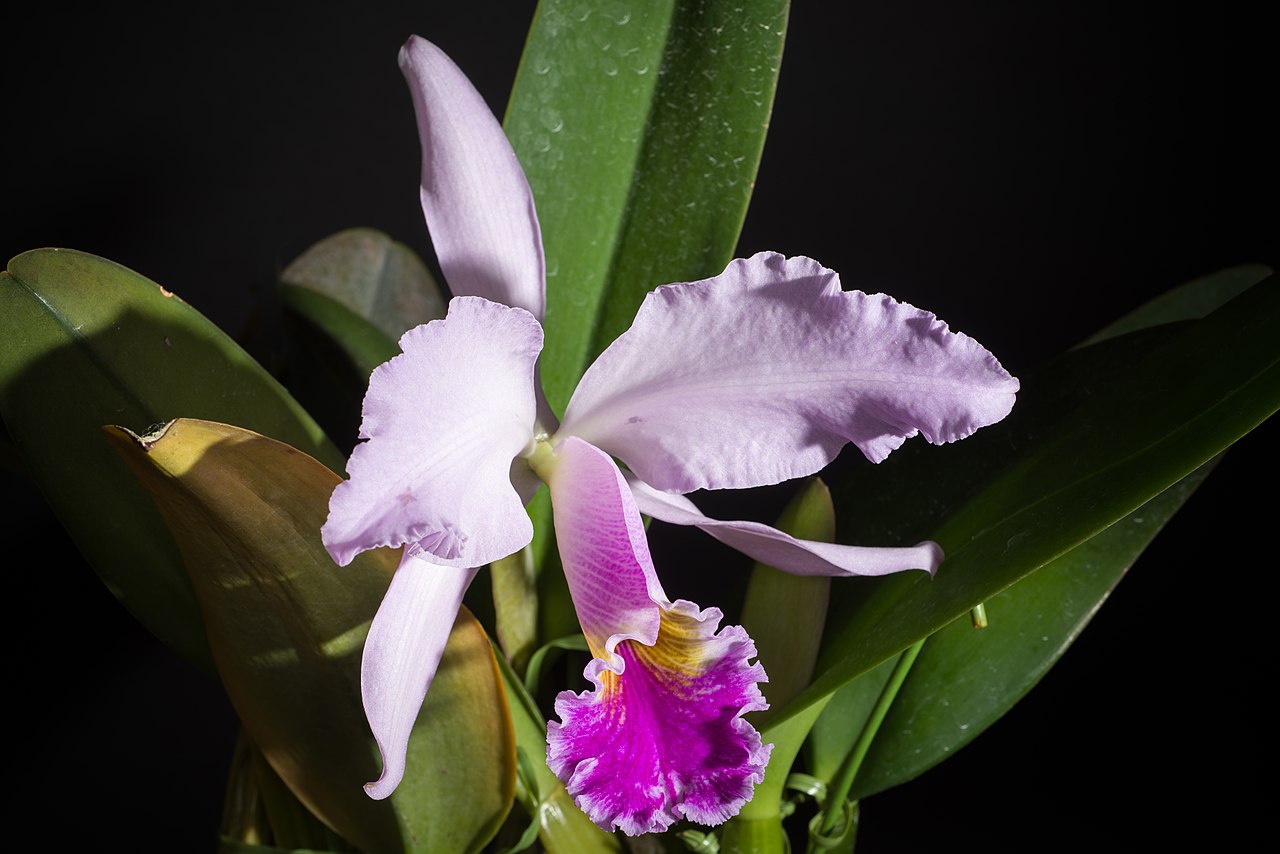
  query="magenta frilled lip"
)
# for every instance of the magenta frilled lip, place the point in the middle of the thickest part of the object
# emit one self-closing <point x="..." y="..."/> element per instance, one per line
<point x="662" y="736"/>
<point x="754" y="376"/>
<point x="664" y="740"/>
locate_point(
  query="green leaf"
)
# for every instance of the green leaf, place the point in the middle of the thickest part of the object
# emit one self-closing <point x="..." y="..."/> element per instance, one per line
<point x="364" y="290"/>
<point x="1113" y="426"/>
<point x="965" y="679"/>
<point x="363" y="344"/>
<point x="574" y="643"/>
<point x="640" y="127"/>
<point x="87" y="343"/>
<point x="784" y="615"/>
<point x="286" y="627"/>
<point x="1189" y="301"/>
<point x="515" y="606"/>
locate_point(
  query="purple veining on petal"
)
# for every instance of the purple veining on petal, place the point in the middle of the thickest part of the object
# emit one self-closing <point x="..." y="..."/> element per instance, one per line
<point x="662" y="738"/>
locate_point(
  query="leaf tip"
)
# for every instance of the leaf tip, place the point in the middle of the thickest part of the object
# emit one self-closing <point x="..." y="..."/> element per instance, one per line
<point x="125" y="439"/>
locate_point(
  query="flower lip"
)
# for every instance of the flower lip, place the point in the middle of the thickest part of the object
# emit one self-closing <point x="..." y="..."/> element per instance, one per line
<point x="667" y="719"/>
<point x="662" y="735"/>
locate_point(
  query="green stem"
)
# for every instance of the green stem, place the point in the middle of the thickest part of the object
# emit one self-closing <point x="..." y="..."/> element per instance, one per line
<point x="849" y="770"/>
<point x="978" y="613"/>
<point x="754" y="836"/>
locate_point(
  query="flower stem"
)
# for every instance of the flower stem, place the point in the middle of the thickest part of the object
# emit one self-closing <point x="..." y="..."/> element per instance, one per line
<point x="853" y="762"/>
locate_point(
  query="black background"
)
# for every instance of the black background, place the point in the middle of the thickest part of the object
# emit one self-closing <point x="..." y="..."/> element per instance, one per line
<point x="1026" y="171"/>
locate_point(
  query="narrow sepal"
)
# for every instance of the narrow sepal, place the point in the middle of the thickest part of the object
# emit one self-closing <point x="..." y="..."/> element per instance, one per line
<point x="477" y="203"/>
<point x="401" y="654"/>
<point x="781" y="550"/>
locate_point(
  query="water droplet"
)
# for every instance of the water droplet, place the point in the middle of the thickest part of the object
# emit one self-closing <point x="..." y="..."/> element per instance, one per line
<point x="618" y="13"/>
<point x="550" y="119"/>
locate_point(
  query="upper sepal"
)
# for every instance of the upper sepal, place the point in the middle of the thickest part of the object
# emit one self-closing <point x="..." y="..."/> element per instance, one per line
<point x="475" y="197"/>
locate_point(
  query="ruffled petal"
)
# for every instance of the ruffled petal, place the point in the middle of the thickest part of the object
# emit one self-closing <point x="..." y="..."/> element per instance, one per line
<point x="764" y="372"/>
<point x="401" y="654"/>
<point x="661" y="737"/>
<point x="444" y="421"/>
<point x="781" y="550"/>
<point x="477" y="201"/>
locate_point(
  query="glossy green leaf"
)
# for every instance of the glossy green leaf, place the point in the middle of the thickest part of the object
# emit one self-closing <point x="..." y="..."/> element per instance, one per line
<point x="364" y="290"/>
<point x="87" y="343"/>
<point x="1090" y="441"/>
<point x="964" y="680"/>
<point x="286" y="627"/>
<point x="639" y="124"/>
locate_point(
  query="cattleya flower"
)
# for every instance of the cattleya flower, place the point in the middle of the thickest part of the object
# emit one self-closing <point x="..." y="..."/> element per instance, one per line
<point x="760" y="374"/>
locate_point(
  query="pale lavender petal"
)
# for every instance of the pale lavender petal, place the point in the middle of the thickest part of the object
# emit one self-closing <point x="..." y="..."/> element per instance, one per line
<point x="764" y="372"/>
<point x="401" y="654"/>
<point x="603" y="549"/>
<point x="661" y="737"/>
<point x="444" y="421"/>
<point x="477" y="202"/>
<point x="781" y="550"/>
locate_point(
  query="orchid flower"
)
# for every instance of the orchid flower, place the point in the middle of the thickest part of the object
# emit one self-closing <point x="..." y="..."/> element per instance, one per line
<point x="757" y="375"/>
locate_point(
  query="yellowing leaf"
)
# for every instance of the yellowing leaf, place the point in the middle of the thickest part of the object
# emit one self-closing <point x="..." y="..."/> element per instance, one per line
<point x="287" y="626"/>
